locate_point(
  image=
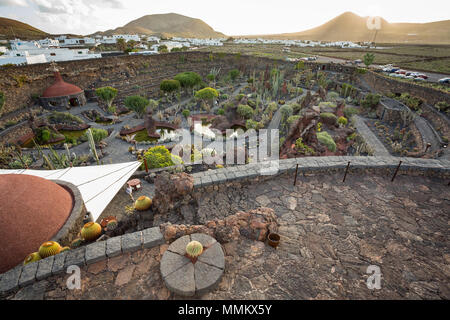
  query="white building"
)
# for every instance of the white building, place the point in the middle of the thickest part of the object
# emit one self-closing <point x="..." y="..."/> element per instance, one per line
<point x="77" y="42"/>
<point x="127" y="37"/>
<point x="29" y="52"/>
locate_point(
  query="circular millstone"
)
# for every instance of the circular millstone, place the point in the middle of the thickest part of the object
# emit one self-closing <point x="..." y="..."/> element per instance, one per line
<point x="185" y="278"/>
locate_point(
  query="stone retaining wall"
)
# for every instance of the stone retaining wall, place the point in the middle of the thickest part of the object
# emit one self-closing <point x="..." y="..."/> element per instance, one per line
<point x="384" y="165"/>
<point x="22" y="276"/>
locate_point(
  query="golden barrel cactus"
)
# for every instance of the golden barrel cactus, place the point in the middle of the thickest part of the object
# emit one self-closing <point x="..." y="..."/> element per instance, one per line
<point x="91" y="231"/>
<point x="49" y="248"/>
<point x="194" y="249"/>
<point x="33" y="257"/>
<point x="143" y="203"/>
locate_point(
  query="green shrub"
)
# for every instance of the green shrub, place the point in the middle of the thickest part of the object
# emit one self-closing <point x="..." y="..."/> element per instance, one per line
<point x="245" y="111"/>
<point x="220" y="112"/>
<point x="160" y="157"/>
<point x="188" y="79"/>
<point x="251" y="124"/>
<point x="328" y="118"/>
<point x="292" y="119"/>
<point x="371" y="101"/>
<point x="441" y="106"/>
<point x="99" y="134"/>
<point x="170" y="85"/>
<point x="286" y="111"/>
<point x="303" y="148"/>
<point x="239" y="97"/>
<point x="186" y="113"/>
<point x="234" y="74"/>
<point x="251" y="103"/>
<point x="300" y="65"/>
<point x="361" y="71"/>
<point x="325" y="139"/>
<point x="206" y="94"/>
<point x="44" y="135"/>
<point x="342" y="121"/>
<point x="106" y="94"/>
<point x="412" y="102"/>
<point x="137" y="103"/>
<point x="350" y="112"/>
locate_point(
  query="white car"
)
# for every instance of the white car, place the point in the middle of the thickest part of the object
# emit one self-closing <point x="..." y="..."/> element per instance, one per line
<point x="444" y="80"/>
<point x="419" y="79"/>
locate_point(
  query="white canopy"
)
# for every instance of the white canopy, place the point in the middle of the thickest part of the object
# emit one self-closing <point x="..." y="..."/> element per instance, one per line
<point x="98" y="185"/>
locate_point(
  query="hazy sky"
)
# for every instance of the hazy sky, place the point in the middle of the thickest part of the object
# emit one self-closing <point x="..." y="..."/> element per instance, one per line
<point x="232" y="17"/>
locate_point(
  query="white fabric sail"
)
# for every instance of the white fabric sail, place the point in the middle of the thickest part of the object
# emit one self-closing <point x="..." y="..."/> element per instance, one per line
<point x="98" y="185"/>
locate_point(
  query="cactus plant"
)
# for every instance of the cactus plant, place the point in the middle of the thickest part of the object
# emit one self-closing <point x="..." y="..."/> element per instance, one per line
<point x="112" y="225"/>
<point x="76" y="243"/>
<point x="64" y="249"/>
<point x="33" y="257"/>
<point x="194" y="249"/>
<point x="143" y="203"/>
<point x="49" y="248"/>
<point x="91" y="231"/>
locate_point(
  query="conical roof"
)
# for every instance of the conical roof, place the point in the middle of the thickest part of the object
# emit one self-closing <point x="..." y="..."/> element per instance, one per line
<point x="60" y="88"/>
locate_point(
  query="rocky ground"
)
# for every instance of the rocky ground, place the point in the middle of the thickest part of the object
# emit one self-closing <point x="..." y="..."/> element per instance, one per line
<point x="330" y="233"/>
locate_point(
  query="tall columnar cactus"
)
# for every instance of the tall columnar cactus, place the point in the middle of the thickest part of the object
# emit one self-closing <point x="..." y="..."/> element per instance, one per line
<point x="92" y="144"/>
<point x="49" y="248"/>
<point x="194" y="249"/>
<point x="91" y="231"/>
<point x="33" y="257"/>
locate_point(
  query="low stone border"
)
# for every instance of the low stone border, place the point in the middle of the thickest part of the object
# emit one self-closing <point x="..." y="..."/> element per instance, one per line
<point x="22" y="276"/>
<point x="187" y="279"/>
<point x="324" y="164"/>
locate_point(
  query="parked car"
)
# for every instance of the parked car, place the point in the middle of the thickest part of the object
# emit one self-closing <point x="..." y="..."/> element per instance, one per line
<point x="423" y="76"/>
<point x="444" y="80"/>
<point x="400" y="72"/>
<point x="419" y="79"/>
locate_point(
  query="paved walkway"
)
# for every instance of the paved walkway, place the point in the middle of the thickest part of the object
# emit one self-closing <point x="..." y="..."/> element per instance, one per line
<point x="371" y="139"/>
<point x="330" y="234"/>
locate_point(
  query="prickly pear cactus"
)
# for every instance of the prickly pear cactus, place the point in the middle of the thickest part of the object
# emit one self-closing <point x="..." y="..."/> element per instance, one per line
<point x="49" y="248"/>
<point x="194" y="249"/>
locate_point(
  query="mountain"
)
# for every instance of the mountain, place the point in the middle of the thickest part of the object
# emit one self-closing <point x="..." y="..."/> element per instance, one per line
<point x="167" y="25"/>
<point x="351" y="27"/>
<point x="11" y="29"/>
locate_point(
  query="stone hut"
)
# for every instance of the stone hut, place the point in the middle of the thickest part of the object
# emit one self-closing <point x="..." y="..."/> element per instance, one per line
<point x="62" y="94"/>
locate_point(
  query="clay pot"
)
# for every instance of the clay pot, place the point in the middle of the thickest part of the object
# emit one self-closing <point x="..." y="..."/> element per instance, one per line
<point x="273" y="239"/>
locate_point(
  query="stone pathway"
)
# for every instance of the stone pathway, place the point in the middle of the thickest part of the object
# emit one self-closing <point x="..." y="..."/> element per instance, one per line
<point x="330" y="233"/>
<point x="371" y="139"/>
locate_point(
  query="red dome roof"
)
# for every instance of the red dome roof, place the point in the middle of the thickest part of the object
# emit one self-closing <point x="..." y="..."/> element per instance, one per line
<point x="60" y="88"/>
<point x="32" y="211"/>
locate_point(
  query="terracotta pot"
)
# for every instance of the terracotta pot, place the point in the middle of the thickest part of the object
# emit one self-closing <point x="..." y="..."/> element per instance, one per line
<point x="273" y="240"/>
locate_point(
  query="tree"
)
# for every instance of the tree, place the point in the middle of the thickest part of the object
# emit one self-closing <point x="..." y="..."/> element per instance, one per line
<point x="106" y="94"/>
<point x="245" y="111"/>
<point x="138" y="104"/>
<point x="189" y="79"/>
<point x="169" y="86"/>
<point x="207" y="95"/>
<point x="121" y="44"/>
<point x="368" y="59"/>
<point x="186" y="113"/>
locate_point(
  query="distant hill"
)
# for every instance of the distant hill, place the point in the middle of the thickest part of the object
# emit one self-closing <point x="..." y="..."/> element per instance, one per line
<point x="167" y="25"/>
<point x="351" y="27"/>
<point x="11" y="29"/>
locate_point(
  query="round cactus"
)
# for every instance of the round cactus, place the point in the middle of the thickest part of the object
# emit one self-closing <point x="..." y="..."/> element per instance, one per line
<point x="194" y="249"/>
<point x="76" y="243"/>
<point x="91" y="231"/>
<point x="49" y="248"/>
<point x="33" y="257"/>
<point x="64" y="249"/>
<point x="143" y="203"/>
<point x="112" y="225"/>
